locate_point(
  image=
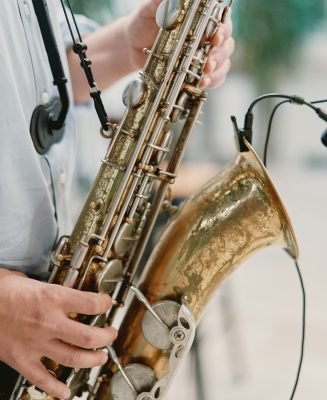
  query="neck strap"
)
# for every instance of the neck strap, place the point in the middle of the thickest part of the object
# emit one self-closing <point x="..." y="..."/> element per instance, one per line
<point x="48" y="120"/>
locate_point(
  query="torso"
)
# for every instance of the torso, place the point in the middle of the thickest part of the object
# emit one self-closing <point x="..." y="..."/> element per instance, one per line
<point x="33" y="188"/>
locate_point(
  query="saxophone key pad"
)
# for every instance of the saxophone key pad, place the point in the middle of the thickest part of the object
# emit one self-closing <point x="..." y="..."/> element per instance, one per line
<point x="153" y="331"/>
<point x="125" y="239"/>
<point x="142" y="377"/>
<point x="169" y="14"/>
<point x="108" y="277"/>
<point x="134" y="94"/>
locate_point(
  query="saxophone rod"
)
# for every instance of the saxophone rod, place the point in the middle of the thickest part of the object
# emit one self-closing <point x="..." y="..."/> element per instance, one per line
<point x="173" y="167"/>
<point x="149" y="121"/>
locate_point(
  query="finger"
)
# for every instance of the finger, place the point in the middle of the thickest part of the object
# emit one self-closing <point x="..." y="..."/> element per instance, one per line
<point x="37" y="375"/>
<point x="87" y="303"/>
<point x="74" y="357"/>
<point x="224" y="32"/>
<point x="219" y="76"/>
<point x="218" y="55"/>
<point x="85" y="336"/>
<point x="228" y="27"/>
<point x="149" y="9"/>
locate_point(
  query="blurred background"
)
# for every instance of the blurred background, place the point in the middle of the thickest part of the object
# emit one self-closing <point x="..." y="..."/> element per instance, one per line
<point x="248" y="342"/>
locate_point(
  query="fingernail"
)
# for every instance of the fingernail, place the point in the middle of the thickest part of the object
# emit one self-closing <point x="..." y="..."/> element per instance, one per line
<point x="104" y="358"/>
<point x="227" y="15"/>
<point x="115" y="333"/>
<point x="221" y="38"/>
<point x="213" y="65"/>
<point x="206" y="82"/>
<point x="66" y="393"/>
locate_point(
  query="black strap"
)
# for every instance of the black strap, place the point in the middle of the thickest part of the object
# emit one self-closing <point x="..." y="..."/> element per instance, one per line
<point x="80" y="48"/>
<point x="47" y="122"/>
<point x="59" y="79"/>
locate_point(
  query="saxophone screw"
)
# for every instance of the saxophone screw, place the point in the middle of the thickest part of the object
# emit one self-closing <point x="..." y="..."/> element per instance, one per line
<point x="147" y="168"/>
<point x="99" y="249"/>
<point x="178" y="335"/>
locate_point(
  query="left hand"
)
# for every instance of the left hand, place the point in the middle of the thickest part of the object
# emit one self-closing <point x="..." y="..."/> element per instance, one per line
<point x="219" y="63"/>
<point x="141" y="31"/>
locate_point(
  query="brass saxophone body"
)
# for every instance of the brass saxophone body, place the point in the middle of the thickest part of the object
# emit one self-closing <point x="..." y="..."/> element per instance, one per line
<point x="232" y="216"/>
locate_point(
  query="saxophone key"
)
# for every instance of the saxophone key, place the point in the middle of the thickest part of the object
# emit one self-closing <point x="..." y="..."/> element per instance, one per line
<point x="125" y="239"/>
<point x="133" y="382"/>
<point x="107" y="277"/>
<point x="169" y="14"/>
<point x="134" y="94"/>
<point x="71" y="278"/>
<point x="212" y="26"/>
<point x="79" y="255"/>
<point x="179" y="107"/>
<point x="156" y="331"/>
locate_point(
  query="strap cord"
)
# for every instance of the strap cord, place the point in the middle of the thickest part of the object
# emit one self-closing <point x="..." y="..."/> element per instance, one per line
<point x="80" y="48"/>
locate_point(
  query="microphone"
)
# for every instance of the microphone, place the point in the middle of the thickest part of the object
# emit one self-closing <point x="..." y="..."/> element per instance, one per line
<point x="324" y="138"/>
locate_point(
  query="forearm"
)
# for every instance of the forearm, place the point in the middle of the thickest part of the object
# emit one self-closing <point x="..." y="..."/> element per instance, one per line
<point x="5" y="272"/>
<point x="108" y="51"/>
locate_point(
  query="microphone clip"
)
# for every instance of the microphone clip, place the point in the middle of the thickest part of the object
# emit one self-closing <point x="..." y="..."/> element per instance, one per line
<point x="245" y="133"/>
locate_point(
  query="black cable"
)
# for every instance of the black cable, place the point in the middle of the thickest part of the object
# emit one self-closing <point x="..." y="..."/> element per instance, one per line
<point x="303" y="330"/>
<point x="273" y="115"/>
<point x="275" y="109"/>
<point x="295" y="99"/>
<point x="67" y="19"/>
<point x="247" y="132"/>
<point x="269" y="129"/>
<point x="318" y="101"/>
<point x="74" y="20"/>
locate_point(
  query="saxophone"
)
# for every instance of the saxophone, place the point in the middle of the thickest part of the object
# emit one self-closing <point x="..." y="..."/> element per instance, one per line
<point x="157" y="307"/>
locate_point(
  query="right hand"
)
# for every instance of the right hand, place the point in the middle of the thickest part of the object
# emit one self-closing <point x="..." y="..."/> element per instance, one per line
<point x="34" y="323"/>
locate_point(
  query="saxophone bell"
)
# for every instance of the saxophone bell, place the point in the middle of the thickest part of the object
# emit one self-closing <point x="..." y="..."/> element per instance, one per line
<point x="232" y="216"/>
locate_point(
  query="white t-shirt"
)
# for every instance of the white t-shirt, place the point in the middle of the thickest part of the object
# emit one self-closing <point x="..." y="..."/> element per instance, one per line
<point x="33" y="188"/>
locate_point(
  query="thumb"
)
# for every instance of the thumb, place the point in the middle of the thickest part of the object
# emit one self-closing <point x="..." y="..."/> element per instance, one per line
<point x="149" y="8"/>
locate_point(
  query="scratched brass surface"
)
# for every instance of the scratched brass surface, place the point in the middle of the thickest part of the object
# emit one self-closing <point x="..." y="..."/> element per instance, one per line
<point x="108" y="178"/>
<point x="235" y="214"/>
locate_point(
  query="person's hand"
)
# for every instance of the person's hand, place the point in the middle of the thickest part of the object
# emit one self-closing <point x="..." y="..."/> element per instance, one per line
<point x="219" y="63"/>
<point x="141" y="31"/>
<point x="35" y="323"/>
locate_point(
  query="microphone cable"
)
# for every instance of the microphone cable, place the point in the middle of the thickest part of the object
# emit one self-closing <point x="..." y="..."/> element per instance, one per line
<point x="247" y="133"/>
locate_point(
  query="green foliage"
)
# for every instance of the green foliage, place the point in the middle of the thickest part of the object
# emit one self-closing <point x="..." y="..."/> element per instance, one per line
<point x="270" y="33"/>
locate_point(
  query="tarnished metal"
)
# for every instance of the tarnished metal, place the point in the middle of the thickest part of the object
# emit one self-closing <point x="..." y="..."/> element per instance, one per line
<point x="232" y="216"/>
